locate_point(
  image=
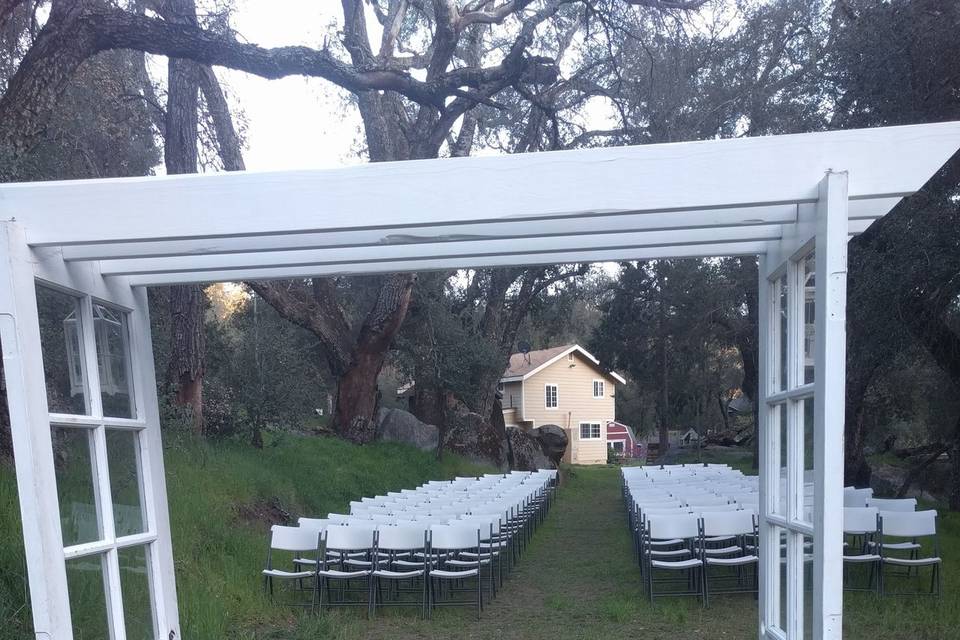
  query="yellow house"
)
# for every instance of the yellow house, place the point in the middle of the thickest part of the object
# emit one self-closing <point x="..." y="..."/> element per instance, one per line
<point x="565" y="386"/>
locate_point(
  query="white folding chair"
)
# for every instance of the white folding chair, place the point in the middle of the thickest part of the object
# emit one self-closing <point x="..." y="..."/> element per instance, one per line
<point x="446" y="543"/>
<point x="685" y="528"/>
<point x="296" y="541"/>
<point x="735" y="527"/>
<point x="914" y="526"/>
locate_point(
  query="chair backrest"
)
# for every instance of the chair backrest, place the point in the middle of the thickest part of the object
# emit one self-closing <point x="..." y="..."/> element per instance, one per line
<point x="314" y="524"/>
<point x="714" y="508"/>
<point x="665" y="527"/>
<point x="856" y="497"/>
<point x="293" y="538"/>
<point x="727" y="523"/>
<point x="859" y="520"/>
<point x="446" y="537"/>
<point x="893" y="504"/>
<point x="349" y="538"/>
<point x="402" y="538"/>
<point x="911" y="524"/>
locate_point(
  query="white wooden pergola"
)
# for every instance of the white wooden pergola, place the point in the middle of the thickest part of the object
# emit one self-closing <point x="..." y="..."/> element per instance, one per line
<point x="92" y="247"/>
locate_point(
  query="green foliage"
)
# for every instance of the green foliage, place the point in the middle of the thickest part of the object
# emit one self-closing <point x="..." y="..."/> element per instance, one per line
<point x="223" y="498"/>
<point x="262" y="371"/>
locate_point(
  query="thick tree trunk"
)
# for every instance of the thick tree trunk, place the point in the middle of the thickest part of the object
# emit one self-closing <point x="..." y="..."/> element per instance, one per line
<point x="354" y="414"/>
<point x="188" y="342"/>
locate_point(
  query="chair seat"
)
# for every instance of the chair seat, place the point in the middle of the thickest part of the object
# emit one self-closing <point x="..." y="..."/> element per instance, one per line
<point x="453" y="575"/>
<point x="732" y="562"/>
<point x="723" y="551"/>
<point x="467" y="563"/>
<point x="715" y="539"/>
<point x="897" y="546"/>
<point x="912" y="562"/>
<point x="398" y="575"/>
<point x="865" y="557"/>
<point x="669" y="553"/>
<point x="666" y="543"/>
<point x="676" y="564"/>
<point x="334" y="573"/>
<point x="277" y="573"/>
<point x="304" y="561"/>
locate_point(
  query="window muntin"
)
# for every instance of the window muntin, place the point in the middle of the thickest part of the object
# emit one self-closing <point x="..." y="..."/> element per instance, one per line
<point x="589" y="430"/>
<point x="598" y="388"/>
<point x="551" y="396"/>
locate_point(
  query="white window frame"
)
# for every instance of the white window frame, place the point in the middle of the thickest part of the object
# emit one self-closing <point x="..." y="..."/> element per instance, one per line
<point x="603" y="388"/>
<point x="556" y="396"/>
<point x="591" y="425"/>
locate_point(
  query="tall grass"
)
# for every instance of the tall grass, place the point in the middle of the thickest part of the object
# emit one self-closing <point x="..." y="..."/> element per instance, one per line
<point x="223" y="498"/>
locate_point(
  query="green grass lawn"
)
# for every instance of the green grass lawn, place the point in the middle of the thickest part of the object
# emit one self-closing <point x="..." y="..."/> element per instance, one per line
<point x="576" y="580"/>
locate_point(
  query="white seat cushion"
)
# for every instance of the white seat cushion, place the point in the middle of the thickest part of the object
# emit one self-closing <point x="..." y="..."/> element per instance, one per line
<point x="732" y="562"/>
<point x="441" y="573"/>
<point x="277" y="573"/>
<point x="676" y="564"/>
<point x="912" y="562"/>
<point x="333" y="573"/>
<point x="381" y="573"/>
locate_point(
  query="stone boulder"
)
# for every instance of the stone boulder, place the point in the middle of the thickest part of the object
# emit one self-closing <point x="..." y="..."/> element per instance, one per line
<point x="553" y="441"/>
<point x="477" y="439"/>
<point x="395" y="425"/>
<point x="526" y="453"/>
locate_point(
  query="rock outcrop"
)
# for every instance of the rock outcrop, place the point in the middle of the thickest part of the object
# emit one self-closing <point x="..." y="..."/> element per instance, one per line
<point x="395" y="425"/>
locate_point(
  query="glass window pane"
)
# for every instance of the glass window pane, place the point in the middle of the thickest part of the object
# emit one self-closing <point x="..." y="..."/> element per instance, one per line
<point x="809" y="441"/>
<point x="88" y="601"/>
<point x="809" y="317"/>
<point x="135" y="590"/>
<point x="780" y="296"/>
<point x="79" y="509"/>
<point x="125" y="488"/>
<point x="113" y="361"/>
<point x="61" y="341"/>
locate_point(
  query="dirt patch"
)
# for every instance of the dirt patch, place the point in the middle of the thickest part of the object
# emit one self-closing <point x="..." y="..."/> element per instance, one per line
<point x="263" y="513"/>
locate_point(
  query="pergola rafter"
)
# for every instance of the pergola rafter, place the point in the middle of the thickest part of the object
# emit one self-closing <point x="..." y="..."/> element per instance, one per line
<point x="793" y="200"/>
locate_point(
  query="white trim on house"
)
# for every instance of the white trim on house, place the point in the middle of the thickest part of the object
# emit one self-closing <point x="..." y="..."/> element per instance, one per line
<point x="603" y="390"/>
<point x="556" y="395"/>
<point x="591" y="424"/>
<point x="573" y="348"/>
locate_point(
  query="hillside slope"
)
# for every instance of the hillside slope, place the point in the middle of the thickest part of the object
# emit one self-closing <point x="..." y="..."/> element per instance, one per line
<point x="223" y="498"/>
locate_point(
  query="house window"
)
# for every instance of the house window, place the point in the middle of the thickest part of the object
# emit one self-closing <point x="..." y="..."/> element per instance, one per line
<point x="551" y="397"/>
<point x="598" y="388"/>
<point x="589" y="430"/>
<point x="616" y="445"/>
<point x="569" y="357"/>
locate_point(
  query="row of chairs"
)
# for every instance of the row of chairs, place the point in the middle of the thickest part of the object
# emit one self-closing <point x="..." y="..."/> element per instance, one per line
<point x="444" y="543"/>
<point x="883" y="538"/>
<point x="694" y="529"/>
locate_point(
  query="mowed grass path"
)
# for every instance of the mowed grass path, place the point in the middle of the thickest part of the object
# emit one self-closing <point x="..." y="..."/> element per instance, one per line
<point x="578" y="580"/>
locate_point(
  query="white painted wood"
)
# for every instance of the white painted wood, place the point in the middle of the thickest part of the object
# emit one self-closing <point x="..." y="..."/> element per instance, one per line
<point x="160" y="555"/>
<point x="830" y="359"/>
<point x="390" y="237"/>
<point x="865" y="210"/>
<point x="890" y="162"/>
<point x="518" y="259"/>
<point x="769" y="598"/>
<point x="463" y="251"/>
<point x="33" y="450"/>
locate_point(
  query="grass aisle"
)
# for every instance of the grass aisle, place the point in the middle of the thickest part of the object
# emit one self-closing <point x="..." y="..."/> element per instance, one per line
<point x="576" y="580"/>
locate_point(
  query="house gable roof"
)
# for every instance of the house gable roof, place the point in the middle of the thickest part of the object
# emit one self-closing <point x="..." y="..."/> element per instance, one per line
<point x="524" y="365"/>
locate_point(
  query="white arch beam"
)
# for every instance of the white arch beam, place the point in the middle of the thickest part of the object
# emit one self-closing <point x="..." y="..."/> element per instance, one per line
<point x="889" y="162"/>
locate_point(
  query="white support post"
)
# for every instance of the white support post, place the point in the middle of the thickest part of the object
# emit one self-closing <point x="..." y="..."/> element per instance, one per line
<point x="830" y="372"/>
<point x="769" y="609"/>
<point x="154" y="479"/>
<point x="32" y="442"/>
